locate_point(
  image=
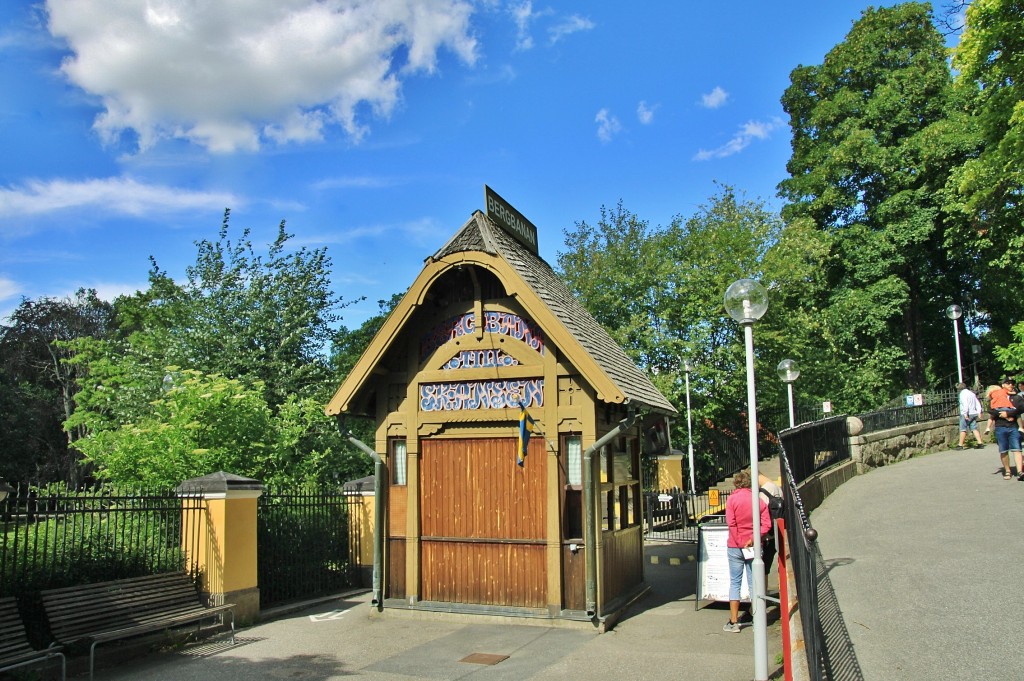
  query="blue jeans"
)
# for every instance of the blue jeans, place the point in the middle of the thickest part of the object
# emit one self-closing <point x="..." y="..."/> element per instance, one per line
<point x="967" y="424"/>
<point x="737" y="566"/>
<point x="1007" y="438"/>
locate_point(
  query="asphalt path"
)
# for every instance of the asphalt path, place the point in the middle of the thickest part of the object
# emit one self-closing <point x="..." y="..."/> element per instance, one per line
<point x="926" y="557"/>
<point x="663" y="636"/>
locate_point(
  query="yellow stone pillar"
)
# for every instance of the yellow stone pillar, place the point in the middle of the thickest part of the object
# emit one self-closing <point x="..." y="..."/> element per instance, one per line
<point x="672" y="474"/>
<point x="221" y="540"/>
<point x="361" y="527"/>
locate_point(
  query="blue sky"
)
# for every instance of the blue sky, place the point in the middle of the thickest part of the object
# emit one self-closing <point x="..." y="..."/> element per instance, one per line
<point x="127" y="128"/>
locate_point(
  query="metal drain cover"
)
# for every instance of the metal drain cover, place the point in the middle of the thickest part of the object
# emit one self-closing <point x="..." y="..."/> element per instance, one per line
<point x="484" y="658"/>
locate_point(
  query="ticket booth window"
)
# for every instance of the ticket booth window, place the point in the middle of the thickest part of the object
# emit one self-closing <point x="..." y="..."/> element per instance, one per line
<point x="574" y="455"/>
<point x="620" y="486"/>
<point x="398" y="462"/>
<point x="573" y="515"/>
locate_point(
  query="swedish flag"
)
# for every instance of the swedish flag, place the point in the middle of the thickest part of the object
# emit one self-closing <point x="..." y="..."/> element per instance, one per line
<point x="526" y="425"/>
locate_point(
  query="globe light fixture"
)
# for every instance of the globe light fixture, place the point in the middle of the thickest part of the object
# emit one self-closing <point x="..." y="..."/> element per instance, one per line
<point x="789" y="372"/>
<point x="954" y="312"/>
<point x="746" y="301"/>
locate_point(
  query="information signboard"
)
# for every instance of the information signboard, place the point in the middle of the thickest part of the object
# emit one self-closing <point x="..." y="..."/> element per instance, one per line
<point x="713" y="564"/>
<point x="509" y="219"/>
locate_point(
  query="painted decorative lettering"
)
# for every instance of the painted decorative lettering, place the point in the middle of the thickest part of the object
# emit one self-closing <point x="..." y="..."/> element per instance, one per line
<point x="480" y="359"/>
<point x="503" y="323"/>
<point x="471" y="395"/>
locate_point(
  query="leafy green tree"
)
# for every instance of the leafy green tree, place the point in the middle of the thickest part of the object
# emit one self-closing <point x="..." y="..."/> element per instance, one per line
<point x="226" y="370"/>
<point x="348" y="347"/>
<point x="871" y="156"/>
<point x="239" y="314"/>
<point x="659" y="292"/>
<point x="201" y="424"/>
<point x="38" y="386"/>
<point x="988" y="187"/>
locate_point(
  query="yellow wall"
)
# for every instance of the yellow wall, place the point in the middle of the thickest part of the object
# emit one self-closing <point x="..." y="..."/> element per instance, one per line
<point x="361" y="529"/>
<point x="226" y="551"/>
<point x="672" y="472"/>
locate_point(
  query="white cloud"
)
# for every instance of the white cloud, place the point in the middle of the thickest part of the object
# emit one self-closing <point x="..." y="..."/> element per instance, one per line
<point x="644" y="113"/>
<point x="234" y="74"/>
<point x="107" y="290"/>
<point x="714" y="99"/>
<point x="523" y="16"/>
<point x="8" y="288"/>
<point x="747" y="133"/>
<point x="419" y="231"/>
<point x="355" y="182"/>
<point x="568" y="26"/>
<point x="607" y="125"/>
<point x="117" y="196"/>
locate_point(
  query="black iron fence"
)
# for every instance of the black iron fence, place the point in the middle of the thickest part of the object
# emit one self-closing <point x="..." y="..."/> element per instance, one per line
<point x="673" y="515"/>
<point x="308" y="541"/>
<point x="56" y="537"/>
<point x="811" y="447"/>
<point x="933" y="406"/>
<point x="830" y="654"/>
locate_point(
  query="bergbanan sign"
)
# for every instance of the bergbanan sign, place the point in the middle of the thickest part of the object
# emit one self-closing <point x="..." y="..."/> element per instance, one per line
<point x="509" y="219"/>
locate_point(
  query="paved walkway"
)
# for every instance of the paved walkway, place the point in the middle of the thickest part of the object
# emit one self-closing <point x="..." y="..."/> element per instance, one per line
<point x="926" y="558"/>
<point x="662" y="637"/>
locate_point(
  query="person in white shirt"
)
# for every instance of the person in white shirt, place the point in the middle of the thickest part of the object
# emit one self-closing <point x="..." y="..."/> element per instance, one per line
<point x="970" y="410"/>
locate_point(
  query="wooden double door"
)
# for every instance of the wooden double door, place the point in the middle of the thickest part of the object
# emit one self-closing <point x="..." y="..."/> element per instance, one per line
<point x="483" y="522"/>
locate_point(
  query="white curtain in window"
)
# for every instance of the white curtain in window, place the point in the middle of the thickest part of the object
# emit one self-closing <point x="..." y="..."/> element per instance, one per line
<point x="574" y="449"/>
<point x="398" y="462"/>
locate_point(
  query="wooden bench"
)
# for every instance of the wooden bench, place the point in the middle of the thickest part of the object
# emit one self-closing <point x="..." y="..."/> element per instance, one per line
<point x="15" y="650"/>
<point x="122" y="608"/>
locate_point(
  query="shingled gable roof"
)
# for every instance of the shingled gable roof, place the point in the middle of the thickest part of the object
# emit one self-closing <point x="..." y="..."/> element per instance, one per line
<point x="480" y="234"/>
<point x="597" y="351"/>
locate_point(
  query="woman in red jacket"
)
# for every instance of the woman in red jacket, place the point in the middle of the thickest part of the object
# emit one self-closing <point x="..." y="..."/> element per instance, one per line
<point x="740" y="519"/>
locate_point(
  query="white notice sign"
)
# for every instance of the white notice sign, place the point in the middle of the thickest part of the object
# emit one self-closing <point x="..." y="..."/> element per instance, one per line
<point x="713" y="565"/>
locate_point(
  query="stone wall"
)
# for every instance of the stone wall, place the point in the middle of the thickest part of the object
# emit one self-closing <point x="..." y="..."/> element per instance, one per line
<point x="884" y="447"/>
<point x="880" y="448"/>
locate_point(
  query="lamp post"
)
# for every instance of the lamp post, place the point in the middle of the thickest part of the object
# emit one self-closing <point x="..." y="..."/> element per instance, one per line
<point x="687" y="367"/>
<point x="954" y="312"/>
<point x="975" y="351"/>
<point x="746" y="301"/>
<point x="789" y="372"/>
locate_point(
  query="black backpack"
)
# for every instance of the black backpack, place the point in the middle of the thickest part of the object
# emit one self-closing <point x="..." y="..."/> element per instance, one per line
<point x="775" y="507"/>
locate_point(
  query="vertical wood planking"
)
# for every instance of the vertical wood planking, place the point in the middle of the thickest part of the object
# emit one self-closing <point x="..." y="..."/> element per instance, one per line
<point x="622" y="559"/>
<point x="473" y="489"/>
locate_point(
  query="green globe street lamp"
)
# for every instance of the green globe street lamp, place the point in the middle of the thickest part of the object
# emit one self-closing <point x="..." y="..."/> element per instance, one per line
<point x="746" y="301"/>
<point x="954" y="312"/>
<point x="789" y="372"/>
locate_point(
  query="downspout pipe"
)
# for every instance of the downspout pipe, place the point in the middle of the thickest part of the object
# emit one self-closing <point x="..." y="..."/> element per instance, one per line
<point x="591" y="513"/>
<point x="378" y="513"/>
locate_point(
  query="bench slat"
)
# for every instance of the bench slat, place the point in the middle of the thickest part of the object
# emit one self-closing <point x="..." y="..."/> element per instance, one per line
<point x="15" y="650"/>
<point x="121" y="608"/>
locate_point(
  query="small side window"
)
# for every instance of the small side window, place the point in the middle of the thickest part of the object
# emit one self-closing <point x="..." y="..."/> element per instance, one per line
<point x="398" y="462"/>
<point x="574" y="463"/>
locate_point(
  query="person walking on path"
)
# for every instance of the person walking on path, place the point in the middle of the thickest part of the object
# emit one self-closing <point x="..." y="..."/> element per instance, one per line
<point x="970" y="410"/>
<point x="1003" y="410"/>
<point x="766" y="488"/>
<point x="739" y="516"/>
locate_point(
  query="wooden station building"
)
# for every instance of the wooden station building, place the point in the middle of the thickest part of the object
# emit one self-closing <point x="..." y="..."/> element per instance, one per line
<point x="486" y="329"/>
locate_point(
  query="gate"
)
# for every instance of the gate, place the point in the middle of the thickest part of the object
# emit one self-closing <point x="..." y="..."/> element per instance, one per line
<point x="673" y="515"/>
<point x="307" y="543"/>
<point x="483" y="522"/>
